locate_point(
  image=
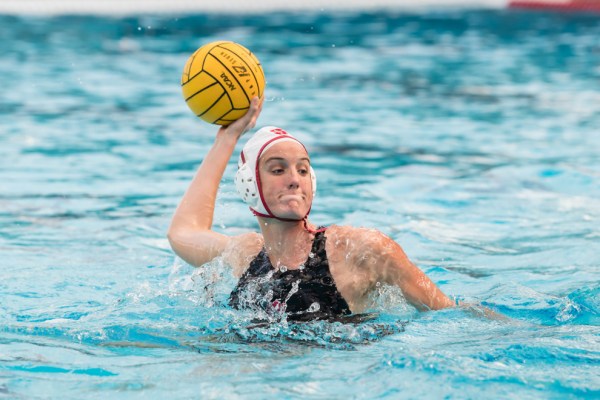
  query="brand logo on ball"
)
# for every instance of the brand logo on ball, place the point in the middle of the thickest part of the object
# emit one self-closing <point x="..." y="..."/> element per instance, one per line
<point x="227" y="81"/>
<point x="241" y="70"/>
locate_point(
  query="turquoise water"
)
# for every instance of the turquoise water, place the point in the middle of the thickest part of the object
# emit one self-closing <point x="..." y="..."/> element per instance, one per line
<point x="470" y="137"/>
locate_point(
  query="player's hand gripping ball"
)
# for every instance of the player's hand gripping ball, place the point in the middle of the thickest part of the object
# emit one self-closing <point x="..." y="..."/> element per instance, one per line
<point x="219" y="80"/>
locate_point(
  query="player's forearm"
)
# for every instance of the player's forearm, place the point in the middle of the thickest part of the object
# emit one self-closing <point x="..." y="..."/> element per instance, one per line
<point x="416" y="286"/>
<point x="196" y="209"/>
<point x="422" y="293"/>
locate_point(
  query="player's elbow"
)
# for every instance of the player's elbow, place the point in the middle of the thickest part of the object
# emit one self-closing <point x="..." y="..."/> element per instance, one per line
<point x="179" y="232"/>
<point x="173" y="236"/>
<point x="196" y="247"/>
<point x="179" y="240"/>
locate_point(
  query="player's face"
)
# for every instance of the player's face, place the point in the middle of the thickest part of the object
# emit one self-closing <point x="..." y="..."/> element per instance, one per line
<point x="285" y="180"/>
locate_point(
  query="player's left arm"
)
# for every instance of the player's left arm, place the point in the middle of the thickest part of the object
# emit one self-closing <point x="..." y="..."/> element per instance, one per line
<point x="393" y="267"/>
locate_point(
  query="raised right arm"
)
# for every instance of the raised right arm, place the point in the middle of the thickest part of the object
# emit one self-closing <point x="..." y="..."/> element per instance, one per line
<point x="190" y="233"/>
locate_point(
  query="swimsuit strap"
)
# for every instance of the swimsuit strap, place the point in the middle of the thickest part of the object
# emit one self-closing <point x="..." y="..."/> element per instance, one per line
<point x="317" y="258"/>
<point x="318" y="244"/>
<point x="261" y="265"/>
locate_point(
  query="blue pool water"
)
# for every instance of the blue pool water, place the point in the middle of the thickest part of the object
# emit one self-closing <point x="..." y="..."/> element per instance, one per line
<point x="471" y="137"/>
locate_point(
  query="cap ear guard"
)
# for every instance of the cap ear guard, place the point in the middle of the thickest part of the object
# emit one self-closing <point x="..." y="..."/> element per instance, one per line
<point x="246" y="185"/>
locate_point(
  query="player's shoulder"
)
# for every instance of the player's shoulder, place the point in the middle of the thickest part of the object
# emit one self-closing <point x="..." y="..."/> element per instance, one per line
<point x="252" y="239"/>
<point x="345" y="235"/>
<point x="248" y="244"/>
<point x="242" y="249"/>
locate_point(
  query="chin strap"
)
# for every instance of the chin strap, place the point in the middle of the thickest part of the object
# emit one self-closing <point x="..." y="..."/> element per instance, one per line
<point x="258" y="214"/>
<point x="304" y="221"/>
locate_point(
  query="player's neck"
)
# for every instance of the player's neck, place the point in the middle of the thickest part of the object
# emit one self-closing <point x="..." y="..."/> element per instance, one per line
<point x="286" y="241"/>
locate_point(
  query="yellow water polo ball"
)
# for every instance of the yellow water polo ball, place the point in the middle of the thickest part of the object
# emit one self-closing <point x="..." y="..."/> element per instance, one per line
<point x="220" y="79"/>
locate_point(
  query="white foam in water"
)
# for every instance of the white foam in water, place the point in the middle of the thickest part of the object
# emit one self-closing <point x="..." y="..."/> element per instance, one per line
<point x="231" y="6"/>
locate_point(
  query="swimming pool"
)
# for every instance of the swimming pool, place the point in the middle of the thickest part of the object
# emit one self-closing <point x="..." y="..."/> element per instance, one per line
<point x="469" y="136"/>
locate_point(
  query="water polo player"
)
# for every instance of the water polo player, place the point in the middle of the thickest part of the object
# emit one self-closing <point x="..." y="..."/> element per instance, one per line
<point x="292" y="268"/>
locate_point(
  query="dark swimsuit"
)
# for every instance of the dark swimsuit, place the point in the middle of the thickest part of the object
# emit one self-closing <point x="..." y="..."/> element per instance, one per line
<point x="303" y="294"/>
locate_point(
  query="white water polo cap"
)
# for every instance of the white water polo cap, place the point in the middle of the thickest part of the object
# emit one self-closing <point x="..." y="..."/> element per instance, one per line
<point x="247" y="178"/>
